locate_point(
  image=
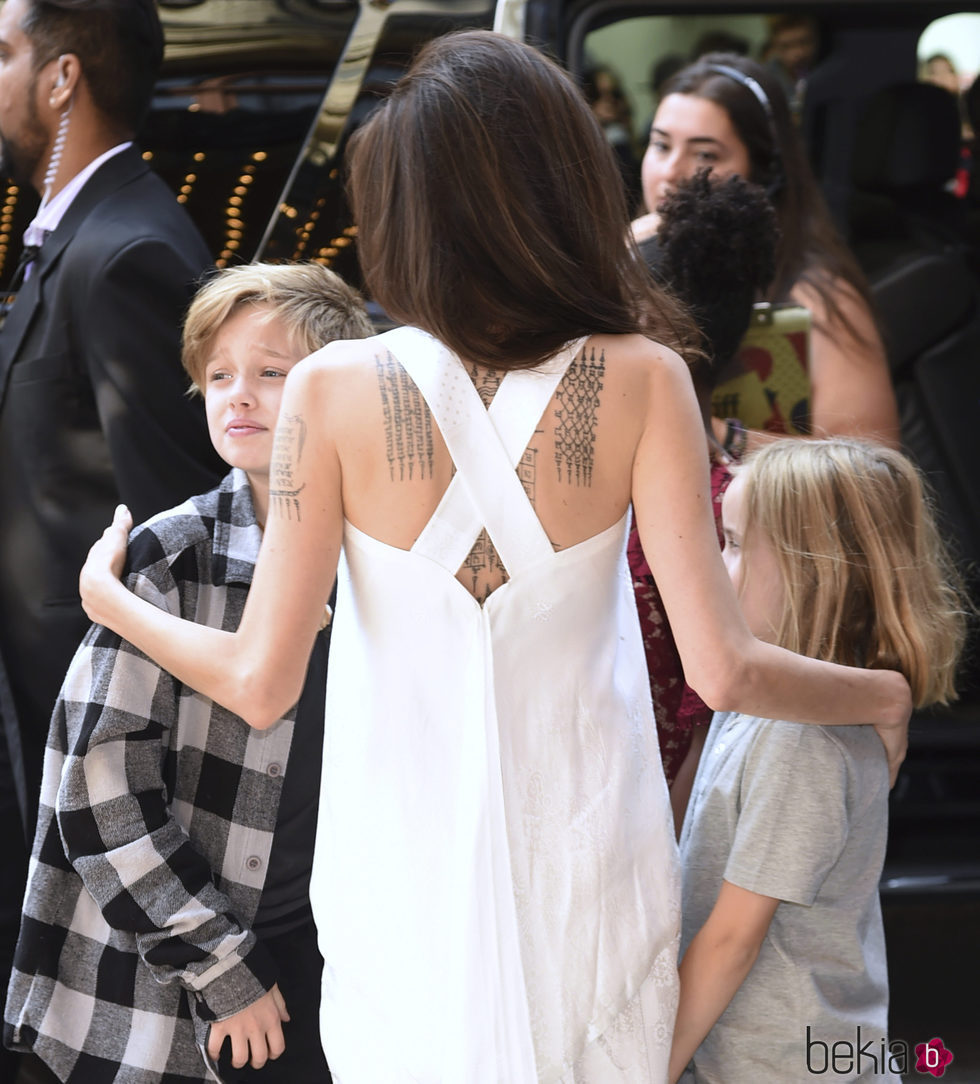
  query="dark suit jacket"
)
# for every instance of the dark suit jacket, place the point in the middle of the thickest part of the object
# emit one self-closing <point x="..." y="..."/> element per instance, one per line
<point x="93" y="411"/>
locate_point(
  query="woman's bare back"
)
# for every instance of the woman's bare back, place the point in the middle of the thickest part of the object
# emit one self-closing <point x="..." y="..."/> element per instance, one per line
<point x="576" y="470"/>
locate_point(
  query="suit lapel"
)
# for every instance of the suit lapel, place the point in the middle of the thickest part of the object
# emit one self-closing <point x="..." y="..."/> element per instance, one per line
<point x="109" y="178"/>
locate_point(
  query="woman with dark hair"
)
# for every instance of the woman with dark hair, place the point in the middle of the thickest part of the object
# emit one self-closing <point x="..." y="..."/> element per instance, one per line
<point x="495" y="880"/>
<point x="729" y="114"/>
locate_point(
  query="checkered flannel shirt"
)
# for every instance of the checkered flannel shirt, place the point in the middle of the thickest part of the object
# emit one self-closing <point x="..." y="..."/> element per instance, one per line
<point x="157" y="813"/>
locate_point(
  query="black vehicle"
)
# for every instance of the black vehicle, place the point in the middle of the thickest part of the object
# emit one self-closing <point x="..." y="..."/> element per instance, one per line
<point x="249" y="126"/>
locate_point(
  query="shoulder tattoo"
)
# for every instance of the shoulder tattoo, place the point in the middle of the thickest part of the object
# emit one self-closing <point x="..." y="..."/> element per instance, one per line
<point x="576" y="412"/>
<point x="407" y="422"/>
<point x="486" y="382"/>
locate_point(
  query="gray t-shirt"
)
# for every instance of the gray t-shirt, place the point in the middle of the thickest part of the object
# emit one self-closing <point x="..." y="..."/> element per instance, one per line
<point x="799" y="813"/>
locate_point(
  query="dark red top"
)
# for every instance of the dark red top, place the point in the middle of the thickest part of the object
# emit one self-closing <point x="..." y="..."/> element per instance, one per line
<point x="676" y="706"/>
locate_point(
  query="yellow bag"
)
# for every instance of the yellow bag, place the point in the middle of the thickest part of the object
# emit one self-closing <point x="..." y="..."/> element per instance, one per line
<point x="768" y="384"/>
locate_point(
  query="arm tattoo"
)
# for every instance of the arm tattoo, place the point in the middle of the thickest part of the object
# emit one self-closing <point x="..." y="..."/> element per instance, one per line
<point x="407" y="421"/>
<point x="577" y="406"/>
<point x="286" y="455"/>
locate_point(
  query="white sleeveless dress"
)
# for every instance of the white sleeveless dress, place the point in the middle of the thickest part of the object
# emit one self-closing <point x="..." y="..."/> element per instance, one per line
<point x="495" y="880"/>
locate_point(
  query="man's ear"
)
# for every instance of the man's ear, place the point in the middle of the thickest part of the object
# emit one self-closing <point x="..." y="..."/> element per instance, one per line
<point x="67" y="72"/>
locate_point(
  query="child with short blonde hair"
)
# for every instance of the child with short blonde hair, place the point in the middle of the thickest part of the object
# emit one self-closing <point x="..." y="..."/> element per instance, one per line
<point x="312" y="304"/>
<point x="835" y="554"/>
<point x="167" y="932"/>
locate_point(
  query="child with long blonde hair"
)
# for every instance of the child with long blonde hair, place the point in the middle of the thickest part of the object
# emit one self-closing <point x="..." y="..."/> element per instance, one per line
<point x="835" y="555"/>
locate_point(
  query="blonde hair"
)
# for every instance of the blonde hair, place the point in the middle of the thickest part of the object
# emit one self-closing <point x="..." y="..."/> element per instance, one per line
<point x="866" y="579"/>
<point x="315" y="305"/>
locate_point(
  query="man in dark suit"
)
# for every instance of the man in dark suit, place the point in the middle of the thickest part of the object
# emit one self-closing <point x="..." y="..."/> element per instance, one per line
<point x="92" y="395"/>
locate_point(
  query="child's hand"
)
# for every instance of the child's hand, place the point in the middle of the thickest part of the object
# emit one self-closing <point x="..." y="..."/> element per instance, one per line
<point x="256" y="1029"/>
<point x="895" y="734"/>
<point x="104" y="565"/>
<point x="895" y="738"/>
<point x="645" y="226"/>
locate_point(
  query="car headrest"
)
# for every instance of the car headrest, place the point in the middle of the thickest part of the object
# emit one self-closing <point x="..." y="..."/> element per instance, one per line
<point x="921" y="300"/>
<point x="907" y="137"/>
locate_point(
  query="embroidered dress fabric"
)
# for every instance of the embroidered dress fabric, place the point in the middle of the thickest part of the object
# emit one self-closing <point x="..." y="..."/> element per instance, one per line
<point x="493" y="803"/>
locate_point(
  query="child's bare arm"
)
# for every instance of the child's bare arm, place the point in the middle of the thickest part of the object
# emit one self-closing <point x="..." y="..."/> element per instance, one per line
<point x="715" y="965"/>
<point x="255" y="1032"/>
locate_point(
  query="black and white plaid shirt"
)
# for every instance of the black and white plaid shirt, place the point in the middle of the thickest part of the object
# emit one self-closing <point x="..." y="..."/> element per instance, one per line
<point x="157" y="814"/>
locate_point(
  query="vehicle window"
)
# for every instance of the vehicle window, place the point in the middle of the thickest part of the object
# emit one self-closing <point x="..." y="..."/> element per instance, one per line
<point x="954" y="39"/>
<point x="241" y="88"/>
<point x="314" y="221"/>
<point x="642" y="52"/>
<point x="624" y="64"/>
<point x="829" y="60"/>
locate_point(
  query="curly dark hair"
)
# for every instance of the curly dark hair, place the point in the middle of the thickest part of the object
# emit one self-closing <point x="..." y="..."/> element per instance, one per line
<point x="715" y="249"/>
<point x="810" y="249"/>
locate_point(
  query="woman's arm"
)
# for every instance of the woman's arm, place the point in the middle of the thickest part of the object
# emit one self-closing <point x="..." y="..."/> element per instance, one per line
<point x="851" y="391"/>
<point x="723" y="662"/>
<point x="715" y="965"/>
<point x="258" y="671"/>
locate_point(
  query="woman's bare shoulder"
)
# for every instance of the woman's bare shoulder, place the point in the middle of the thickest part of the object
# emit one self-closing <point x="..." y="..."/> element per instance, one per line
<point x="850" y="332"/>
<point x="633" y="358"/>
<point x="342" y="362"/>
<point x="849" y="302"/>
<point x="342" y="354"/>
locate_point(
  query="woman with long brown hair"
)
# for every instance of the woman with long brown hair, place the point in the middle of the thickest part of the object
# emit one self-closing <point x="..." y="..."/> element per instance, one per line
<point x="495" y="883"/>
<point x="729" y="114"/>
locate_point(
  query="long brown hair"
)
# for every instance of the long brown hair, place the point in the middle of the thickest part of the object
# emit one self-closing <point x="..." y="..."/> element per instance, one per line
<point x="810" y="249"/>
<point x="491" y="212"/>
